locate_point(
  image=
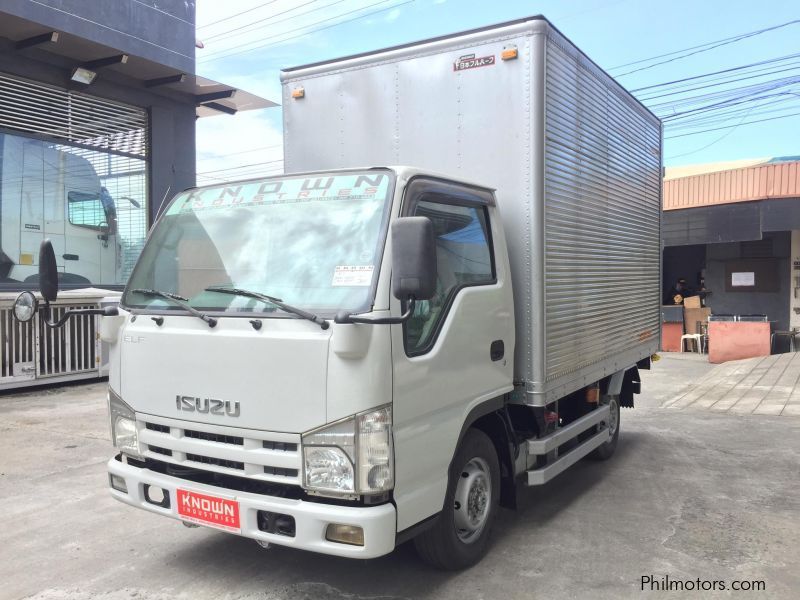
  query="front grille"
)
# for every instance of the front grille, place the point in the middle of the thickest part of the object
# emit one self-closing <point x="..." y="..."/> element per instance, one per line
<point x="214" y="437"/>
<point x="257" y="455"/>
<point x="223" y="480"/>
<point x="219" y="462"/>
<point x="280" y="446"/>
<point x="157" y="427"/>
<point x="280" y="471"/>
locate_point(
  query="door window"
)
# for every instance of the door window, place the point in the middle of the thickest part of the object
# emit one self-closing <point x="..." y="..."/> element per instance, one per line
<point x="464" y="258"/>
<point x="87" y="210"/>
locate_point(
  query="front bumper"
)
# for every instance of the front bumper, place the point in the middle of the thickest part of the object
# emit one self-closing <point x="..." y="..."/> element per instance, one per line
<point x="311" y="519"/>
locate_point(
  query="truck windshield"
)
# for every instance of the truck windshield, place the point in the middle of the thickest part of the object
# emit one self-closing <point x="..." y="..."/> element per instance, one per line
<point x="314" y="241"/>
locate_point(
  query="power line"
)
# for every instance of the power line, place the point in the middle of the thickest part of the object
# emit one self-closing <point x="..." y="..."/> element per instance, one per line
<point x="718" y="128"/>
<point x="221" y="51"/>
<point x="721" y="115"/>
<point x="319" y="28"/>
<point x="706" y="47"/>
<point x="774" y="85"/>
<point x="233" y="16"/>
<point x="266" y="162"/>
<point x="729" y="70"/>
<point x="726" y="81"/>
<point x="254" y="24"/>
<point x="218" y="156"/>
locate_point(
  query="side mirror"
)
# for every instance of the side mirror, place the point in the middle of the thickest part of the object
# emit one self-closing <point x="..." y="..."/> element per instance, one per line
<point x="413" y="258"/>
<point x="25" y="307"/>
<point x="48" y="272"/>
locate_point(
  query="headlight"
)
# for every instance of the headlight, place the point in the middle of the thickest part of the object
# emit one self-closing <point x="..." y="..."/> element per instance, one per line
<point x="123" y="425"/>
<point x="352" y="456"/>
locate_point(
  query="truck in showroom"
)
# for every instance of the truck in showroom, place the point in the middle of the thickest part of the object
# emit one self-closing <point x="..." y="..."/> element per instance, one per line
<point x="351" y="356"/>
<point x="57" y="194"/>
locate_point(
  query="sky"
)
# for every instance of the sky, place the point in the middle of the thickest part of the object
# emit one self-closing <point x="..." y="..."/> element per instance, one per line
<point x="753" y="112"/>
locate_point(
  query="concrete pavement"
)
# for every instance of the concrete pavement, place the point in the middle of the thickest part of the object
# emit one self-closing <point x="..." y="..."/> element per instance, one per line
<point x="767" y="385"/>
<point x="689" y="494"/>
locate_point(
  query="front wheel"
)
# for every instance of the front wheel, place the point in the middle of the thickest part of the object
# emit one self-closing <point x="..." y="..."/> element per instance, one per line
<point x="460" y="537"/>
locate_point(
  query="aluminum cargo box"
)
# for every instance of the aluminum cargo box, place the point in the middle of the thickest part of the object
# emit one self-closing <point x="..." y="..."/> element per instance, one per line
<point x="575" y="160"/>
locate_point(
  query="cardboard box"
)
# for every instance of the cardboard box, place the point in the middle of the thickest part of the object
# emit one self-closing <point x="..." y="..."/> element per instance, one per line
<point x="692" y="315"/>
<point x="692" y="302"/>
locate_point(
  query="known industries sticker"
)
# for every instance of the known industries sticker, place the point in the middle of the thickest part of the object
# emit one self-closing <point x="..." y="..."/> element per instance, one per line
<point x="209" y="510"/>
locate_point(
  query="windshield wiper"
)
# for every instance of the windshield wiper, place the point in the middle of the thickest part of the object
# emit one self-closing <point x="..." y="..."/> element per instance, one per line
<point x="180" y="301"/>
<point x="272" y="300"/>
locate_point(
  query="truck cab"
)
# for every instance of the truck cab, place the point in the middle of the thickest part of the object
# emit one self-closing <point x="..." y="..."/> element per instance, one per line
<point x="349" y="424"/>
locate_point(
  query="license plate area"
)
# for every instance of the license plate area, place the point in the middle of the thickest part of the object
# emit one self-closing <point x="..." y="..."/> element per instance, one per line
<point x="212" y="511"/>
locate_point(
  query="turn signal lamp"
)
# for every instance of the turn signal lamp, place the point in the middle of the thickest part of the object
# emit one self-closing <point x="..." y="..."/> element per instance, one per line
<point x="345" y="534"/>
<point x="298" y="93"/>
<point x="593" y="395"/>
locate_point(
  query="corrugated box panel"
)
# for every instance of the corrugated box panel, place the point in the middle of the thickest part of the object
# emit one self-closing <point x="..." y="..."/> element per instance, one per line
<point x="778" y="180"/>
<point x="602" y="218"/>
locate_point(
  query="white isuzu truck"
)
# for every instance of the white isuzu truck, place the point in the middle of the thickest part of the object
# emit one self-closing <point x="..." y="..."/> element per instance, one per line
<point x="347" y="357"/>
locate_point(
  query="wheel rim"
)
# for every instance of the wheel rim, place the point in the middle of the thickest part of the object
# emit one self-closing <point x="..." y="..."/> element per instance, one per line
<point x="613" y="416"/>
<point x="472" y="501"/>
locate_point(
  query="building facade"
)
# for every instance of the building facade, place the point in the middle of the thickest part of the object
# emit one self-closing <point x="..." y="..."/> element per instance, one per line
<point x="98" y="103"/>
<point x="733" y="229"/>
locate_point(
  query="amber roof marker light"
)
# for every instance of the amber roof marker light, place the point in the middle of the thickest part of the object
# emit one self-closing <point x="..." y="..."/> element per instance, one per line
<point x="509" y="53"/>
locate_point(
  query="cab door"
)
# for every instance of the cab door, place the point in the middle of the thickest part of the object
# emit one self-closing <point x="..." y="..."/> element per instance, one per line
<point x="456" y="352"/>
<point x="90" y="223"/>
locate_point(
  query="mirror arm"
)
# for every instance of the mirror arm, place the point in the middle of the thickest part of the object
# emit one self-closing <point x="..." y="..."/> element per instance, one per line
<point x="344" y="317"/>
<point x="108" y="311"/>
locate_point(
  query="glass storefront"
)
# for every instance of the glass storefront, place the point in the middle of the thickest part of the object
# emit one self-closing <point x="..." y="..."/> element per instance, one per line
<point x="73" y="169"/>
<point x="92" y="205"/>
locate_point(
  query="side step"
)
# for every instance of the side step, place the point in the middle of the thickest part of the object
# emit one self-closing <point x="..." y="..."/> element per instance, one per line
<point x="541" y="446"/>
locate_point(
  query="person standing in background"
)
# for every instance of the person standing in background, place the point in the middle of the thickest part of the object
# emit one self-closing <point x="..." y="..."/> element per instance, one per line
<point x="678" y="292"/>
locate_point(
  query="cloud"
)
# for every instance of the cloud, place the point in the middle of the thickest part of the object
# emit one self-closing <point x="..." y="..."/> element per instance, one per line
<point x="393" y="15"/>
<point x="240" y="146"/>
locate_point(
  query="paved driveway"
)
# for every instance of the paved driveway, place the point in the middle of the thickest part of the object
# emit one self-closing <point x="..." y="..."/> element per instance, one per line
<point x="691" y="494"/>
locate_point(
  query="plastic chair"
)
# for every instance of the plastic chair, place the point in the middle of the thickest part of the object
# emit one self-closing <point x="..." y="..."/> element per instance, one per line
<point x="693" y="337"/>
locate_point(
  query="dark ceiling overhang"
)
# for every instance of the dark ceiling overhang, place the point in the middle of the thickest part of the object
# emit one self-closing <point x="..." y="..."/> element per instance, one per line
<point x="739" y="222"/>
<point x="210" y="97"/>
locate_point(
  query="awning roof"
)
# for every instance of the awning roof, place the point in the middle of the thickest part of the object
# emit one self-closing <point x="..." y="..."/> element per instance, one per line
<point x="211" y="97"/>
<point x="765" y="180"/>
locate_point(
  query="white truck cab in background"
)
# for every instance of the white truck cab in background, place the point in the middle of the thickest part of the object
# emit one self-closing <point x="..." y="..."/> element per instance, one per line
<point x="55" y="194"/>
<point x="347" y="357"/>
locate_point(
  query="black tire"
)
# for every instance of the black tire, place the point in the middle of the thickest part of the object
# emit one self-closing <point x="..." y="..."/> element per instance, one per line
<point x="606" y="451"/>
<point x="445" y="545"/>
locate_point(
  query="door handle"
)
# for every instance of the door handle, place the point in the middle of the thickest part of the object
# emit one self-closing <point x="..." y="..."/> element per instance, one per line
<point x="70" y="257"/>
<point x="497" y="350"/>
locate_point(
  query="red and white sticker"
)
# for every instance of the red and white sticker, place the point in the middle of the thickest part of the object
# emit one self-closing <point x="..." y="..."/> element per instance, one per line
<point x="209" y="510"/>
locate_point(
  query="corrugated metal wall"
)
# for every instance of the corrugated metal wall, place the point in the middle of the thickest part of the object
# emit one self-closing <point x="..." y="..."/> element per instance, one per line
<point x="778" y="180"/>
<point x="602" y="217"/>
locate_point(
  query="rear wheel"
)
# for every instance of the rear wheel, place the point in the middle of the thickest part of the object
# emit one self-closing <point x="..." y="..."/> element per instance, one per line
<point x="460" y="537"/>
<point x="606" y="451"/>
